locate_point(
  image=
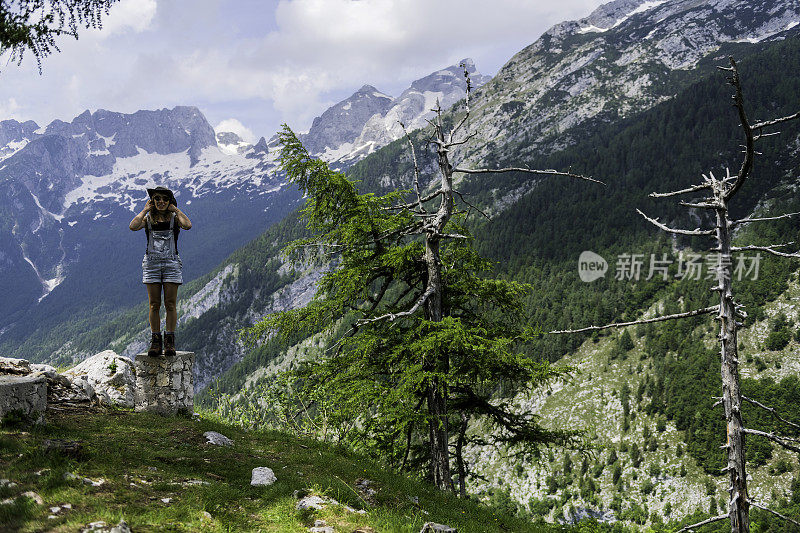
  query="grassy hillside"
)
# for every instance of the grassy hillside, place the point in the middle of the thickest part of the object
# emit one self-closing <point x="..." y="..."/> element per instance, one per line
<point x="158" y="474"/>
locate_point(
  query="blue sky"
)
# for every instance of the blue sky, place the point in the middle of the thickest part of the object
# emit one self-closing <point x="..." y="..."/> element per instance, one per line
<point x="250" y="65"/>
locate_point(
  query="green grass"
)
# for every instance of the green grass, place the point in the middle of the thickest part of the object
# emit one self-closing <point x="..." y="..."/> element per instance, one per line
<point x="144" y="457"/>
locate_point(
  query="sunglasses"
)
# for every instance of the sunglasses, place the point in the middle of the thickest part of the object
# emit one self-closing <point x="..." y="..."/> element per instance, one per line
<point x="160" y="198"/>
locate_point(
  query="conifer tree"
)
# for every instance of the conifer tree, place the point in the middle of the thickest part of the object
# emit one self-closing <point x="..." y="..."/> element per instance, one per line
<point x="428" y="341"/>
<point x="34" y="25"/>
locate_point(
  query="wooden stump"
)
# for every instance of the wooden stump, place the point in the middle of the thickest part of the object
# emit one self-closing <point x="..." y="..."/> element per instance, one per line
<point x="165" y="385"/>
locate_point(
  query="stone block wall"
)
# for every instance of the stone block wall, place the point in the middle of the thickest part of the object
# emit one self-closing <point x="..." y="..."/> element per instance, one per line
<point x="165" y="385"/>
<point x="26" y="395"/>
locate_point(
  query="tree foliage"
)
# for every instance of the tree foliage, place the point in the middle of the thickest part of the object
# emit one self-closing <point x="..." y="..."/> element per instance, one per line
<point x="34" y="25"/>
<point x="386" y="349"/>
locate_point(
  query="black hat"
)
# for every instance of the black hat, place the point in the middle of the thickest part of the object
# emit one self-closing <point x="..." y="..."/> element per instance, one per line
<point x="165" y="191"/>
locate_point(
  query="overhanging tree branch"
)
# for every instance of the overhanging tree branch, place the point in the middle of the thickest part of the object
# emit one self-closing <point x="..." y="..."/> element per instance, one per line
<point x="769" y="249"/>
<point x="704" y="522"/>
<point x="526" y="171"/>
<point x="697" y="231"/>
<point x="777" y="439"/>
<point x="696" y="312"/>
<point x="748" y="220"/>
<point x="776" y="513"/>
<point x="771" y="410"/>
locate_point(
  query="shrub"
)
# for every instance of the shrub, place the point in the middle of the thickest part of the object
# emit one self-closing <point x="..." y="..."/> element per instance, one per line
<point x="616" y="473"/>
<point x="777" y="340"/>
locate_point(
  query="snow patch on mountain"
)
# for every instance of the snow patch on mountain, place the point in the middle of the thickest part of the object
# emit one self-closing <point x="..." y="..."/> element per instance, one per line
<point x="44" y="210"/>
<point x="768" y="34"/>
<point x="12" y="148"/>
<point x="131" y="176"/>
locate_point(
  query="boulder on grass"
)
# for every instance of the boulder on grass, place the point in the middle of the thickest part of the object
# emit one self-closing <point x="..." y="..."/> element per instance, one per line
<point x="108" y="373"/>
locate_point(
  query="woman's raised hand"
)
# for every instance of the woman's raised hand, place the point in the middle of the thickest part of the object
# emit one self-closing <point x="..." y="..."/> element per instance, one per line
<point x="149" y="205"/>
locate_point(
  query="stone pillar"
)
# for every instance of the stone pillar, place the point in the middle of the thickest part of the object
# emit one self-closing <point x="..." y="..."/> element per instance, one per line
<point x="165" y="385"/>
<point x="26" y="395"/>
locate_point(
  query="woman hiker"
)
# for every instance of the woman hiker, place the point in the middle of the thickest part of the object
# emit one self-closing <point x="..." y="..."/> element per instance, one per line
<point x="161" y="265"/>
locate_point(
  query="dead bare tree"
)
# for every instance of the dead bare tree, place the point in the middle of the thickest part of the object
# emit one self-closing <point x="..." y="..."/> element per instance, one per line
<point x="719" y="192"/>
<point x="432" y="225"/>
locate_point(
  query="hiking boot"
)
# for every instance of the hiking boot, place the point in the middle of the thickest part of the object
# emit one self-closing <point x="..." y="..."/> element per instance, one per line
<point x="155" y="346"/>
<point x="169" y="344"/>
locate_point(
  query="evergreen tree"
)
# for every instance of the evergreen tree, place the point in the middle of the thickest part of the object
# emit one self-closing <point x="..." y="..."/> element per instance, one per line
<point x="421" y="325"/>
<point x="33" y="25"/>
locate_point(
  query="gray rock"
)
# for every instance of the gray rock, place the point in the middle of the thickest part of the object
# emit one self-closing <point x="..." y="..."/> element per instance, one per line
<point x="23" y="394"/>
<point x="10" y="365"/>
<point x="263" y="475"/>
<point x="217" y="438"/>
<point x="312" y="502"/>
<point x="110" y="373"/>
<point x="102" y="527"/>
<point x="320" y="526"/>
<point x="431" y="527"/>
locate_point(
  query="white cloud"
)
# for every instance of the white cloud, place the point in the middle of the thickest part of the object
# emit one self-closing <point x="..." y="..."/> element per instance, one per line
<point x="129" y="15"/>
<point x="322" y="47"/>
<point x="7" y="108"/>
<point x="233" y="125"/>
<point x="268" y="62"/>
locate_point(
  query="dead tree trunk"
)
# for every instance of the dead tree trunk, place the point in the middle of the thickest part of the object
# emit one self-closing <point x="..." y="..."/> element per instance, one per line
<point x="738" y="503"/>
<point x="719" y="192"/>
<point x="434" y="226"/>
<point x="437" y="391"/>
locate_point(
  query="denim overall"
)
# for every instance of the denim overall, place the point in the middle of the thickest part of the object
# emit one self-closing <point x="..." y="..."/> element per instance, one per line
<point x="161" y="262"/>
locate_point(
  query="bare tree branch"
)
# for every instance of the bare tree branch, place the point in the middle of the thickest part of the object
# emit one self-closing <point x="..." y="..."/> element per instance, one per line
<point x="394" y="316"/>
<point x="465" y="140"/>
<point x="466" y="115"/>
<point x="747" y="162"/>
<point x="771" y="410"/>
<point x="658" y="224"/>
<point x="704" y="522"/>
<point x="461" y="196"/>
<point x="708" y="205"/>
<point x="696" y="312"/>
<point x="769" y="249"/>
<point x="693" y="188"/>
<point x="771" y="134"/>
<point x="774" y="438"/>
<point x="776" y="513"/>
<point x="525" y="170"/>
<point x="416" y="167"/>
<point x="765" y="123"/>
<point x="748" y="220"/>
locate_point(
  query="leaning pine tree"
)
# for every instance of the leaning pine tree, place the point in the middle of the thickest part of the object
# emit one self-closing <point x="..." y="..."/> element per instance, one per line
<point x="423" y="340"/>
<point x="716" y="196"/>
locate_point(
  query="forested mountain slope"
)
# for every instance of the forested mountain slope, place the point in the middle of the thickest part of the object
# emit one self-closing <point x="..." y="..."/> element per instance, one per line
<point x="668" y="377"/>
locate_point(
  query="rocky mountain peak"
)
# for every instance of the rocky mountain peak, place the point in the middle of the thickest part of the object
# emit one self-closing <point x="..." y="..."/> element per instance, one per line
<point x="259" y="149"/>
<point x="228" y="137"/>
<point x="14" y="135"/>
<point x="615" y="62"/>
<point x="367" y="120"/>
<point x="343" y="122"/>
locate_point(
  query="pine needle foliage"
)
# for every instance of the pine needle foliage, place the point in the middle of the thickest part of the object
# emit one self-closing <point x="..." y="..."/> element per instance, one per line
<point x="385" y="350"/>
<point x="33" y="25"/>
